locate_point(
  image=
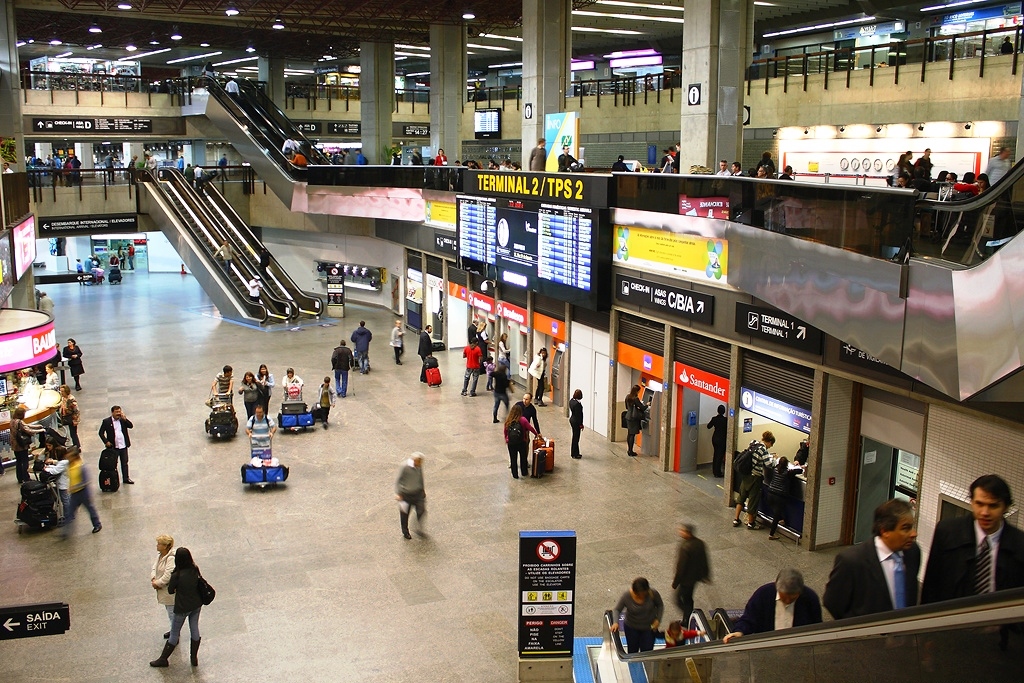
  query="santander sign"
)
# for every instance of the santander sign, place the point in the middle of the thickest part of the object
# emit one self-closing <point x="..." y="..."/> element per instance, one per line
<point x="704" y="382"/>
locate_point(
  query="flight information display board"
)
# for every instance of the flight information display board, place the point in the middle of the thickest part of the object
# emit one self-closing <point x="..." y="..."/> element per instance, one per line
<point x="487" y="123"/>
<point x="530" y="244"/>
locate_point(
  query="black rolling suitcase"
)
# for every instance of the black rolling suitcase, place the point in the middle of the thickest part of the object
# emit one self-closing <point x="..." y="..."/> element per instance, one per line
<point x="109" y="481"/>
<point x="108" y="459"/>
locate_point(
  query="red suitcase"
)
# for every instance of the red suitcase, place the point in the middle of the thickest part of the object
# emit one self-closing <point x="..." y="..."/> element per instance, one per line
<point x="433" y="377"/>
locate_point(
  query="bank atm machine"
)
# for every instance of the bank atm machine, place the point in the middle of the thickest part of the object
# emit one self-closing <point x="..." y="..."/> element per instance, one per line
<point x="555" y="374"/>
<point x="650" y="435"/>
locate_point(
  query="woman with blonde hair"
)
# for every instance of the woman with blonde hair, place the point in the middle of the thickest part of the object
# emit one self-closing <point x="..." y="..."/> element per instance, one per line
<point x="161" y="576"/>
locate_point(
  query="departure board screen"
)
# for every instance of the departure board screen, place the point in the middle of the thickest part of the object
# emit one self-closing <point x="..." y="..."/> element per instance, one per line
<point x="529" y="243"/>
<point x="487" y="123"/>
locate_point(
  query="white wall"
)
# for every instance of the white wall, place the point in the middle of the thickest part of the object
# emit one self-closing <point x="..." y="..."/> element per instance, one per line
<point x="163" y="257"/>
<point x="298" y="253"/>
<point x="834" y="453"/>
<point x="588" y="345"/>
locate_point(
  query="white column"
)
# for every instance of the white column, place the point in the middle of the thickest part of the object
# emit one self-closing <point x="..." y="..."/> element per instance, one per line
<point x="447" y="87"/>
<point x="547" y="50"/>
<point x="377" y="95"/>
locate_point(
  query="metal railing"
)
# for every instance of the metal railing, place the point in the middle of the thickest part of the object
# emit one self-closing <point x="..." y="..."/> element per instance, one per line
<point x="341" y="97"/>
<point x="900" y="58"/>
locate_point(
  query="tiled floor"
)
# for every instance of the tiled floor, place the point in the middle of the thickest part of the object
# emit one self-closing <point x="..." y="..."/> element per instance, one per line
<point x="314" y="579"/>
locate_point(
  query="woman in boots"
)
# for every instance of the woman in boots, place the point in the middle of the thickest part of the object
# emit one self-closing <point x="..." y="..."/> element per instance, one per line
<point x="184" y="586"/>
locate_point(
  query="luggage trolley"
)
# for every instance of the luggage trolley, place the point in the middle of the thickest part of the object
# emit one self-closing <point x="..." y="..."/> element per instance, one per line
<point x="263" y="469"/>
<point x="295" y="414"/>
<point x="222" y="422"/>
<point x="40" y="507"/>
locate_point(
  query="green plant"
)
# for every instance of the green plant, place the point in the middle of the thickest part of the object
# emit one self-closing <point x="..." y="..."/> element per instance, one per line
<point x="8" y="151"/>
<point x="388" y="152"/>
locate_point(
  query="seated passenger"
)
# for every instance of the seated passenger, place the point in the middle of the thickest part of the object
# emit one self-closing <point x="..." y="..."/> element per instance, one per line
<point x="774" y="606"/>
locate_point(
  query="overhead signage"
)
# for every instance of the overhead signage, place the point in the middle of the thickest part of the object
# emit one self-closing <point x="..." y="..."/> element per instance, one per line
<point x="511" y="312"/>
<point x="481" y="301"/>
<point x="587" y="190"/>
<point x="344" y="127"/>
<point x="705" y="207"/>
<point x="35" y="343"/>
<point x="23" y="236"/>
<point x="446" y="242"/>
<point x="851" y="355"/>
<point x="29" y="621"/>
<point x="547" y="593"/>
<point x="101" y="125"/>
<point x="680" y="303"/>
<point x="884" y="29"/>
<point x="776" y="410"/>
<point x="553" y="327"/>
<point x="322" y="70"/>
<point x="697" y="258"/>
<point x="88" y="225"/>
<point x="457" y="291"/>
<point x="639" y="359"/>
<point x="706" y="383"/>
<point x="309" y="127"/>
<point x="416" y="130"/>
<point x="1011" y="10"/>
<point x="775" y="326"/>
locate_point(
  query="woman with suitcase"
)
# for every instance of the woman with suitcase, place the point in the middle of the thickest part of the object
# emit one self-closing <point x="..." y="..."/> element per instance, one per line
<point x="516" y="429"/>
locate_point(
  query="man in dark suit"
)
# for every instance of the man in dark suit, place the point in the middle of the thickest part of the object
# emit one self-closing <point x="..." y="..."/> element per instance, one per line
<point x="114" y="433"/>
<point x="692" y="566"/>
<point x="784" y="604"/>
<point x="881" y="574"/>
<point x="977" y="554"/>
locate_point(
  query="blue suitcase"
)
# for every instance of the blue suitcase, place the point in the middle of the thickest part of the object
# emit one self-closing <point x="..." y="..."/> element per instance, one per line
<point x="264" y="475"/>
<point x="305" y="419"/>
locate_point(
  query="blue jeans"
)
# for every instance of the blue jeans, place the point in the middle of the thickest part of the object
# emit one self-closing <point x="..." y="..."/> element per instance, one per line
<point x="179" y="621"/>
<point x="499" y="398"/>
<point x="65" y="500"/>
<point x="639" y="640"/>
<point x="475" y="374"/>
<point x="363" y="358"/>
<point x="170" y="614"/>
<point x="341" y="382"/>
<point x="77" y="499"/>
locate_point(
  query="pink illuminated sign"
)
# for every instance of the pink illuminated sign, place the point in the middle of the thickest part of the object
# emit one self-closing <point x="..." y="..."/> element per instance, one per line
<point x="26" y="348"/>
<point x="24" y="235"/>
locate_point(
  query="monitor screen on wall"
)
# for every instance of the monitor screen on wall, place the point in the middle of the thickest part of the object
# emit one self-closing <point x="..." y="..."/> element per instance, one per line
<point x="23" y="242"/>
<point x="487" y="123"/>
<point x="6" y="266"/>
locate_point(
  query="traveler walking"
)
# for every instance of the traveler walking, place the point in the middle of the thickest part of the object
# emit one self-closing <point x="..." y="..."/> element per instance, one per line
<point x="160" y="576"/>
<point x="411" y="493"/>
<point x="397" y="333"/>
<point x="362" y="337"/>
<point x="342" y="361"/>
<point x="184" y="586"/>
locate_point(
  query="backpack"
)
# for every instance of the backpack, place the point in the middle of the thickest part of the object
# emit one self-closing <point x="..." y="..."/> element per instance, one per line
<point x="743" y="464"/>
<point x="23" y="437"/>
<point x="515" y="432"/>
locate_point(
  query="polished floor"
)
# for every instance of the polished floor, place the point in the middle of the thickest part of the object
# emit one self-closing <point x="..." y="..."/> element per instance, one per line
<point x="314" y="579"/>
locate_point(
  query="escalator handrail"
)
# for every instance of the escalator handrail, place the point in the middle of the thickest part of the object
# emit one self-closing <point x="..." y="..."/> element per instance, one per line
<point x="699" y="622"/>
<point x="201" y="215"/>
<point x="1002" y="607"/>
<point x="221" y="232"/>
<point x="722" y="617"/>
<point x="284" y="124"/>
<point x="255" y="128"/>
<point x="303" y="302"/>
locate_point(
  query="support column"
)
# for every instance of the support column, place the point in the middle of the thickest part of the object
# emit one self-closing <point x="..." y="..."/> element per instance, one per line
<point x="547" y="49"/>
<point x="717" y="44"/>
<point x="272" y="73"/>
<point x="377" y="95"/>
<point x="83" y="150"/>
<point x="10" y="86"/>
<point x="447" y="88"/>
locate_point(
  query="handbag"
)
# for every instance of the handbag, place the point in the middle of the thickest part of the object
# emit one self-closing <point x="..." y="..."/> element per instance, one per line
<point x="205" y="590"/>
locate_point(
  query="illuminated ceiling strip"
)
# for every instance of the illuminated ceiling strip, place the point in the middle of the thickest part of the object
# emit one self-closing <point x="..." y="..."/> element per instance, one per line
<point x="634" y="17"/>
<point x="189" y="59"/>
<point x="150" y="54"/>
<point x="616" y="31"/>
<point x="952" y="4"/>
<point x="405" y="46"/>
<point x="489" y="47"/>
<point x="645" y="5"/>
<point x="819" y="27"/>
<point x="495" y="36"/>
<point x="237" y="61"/>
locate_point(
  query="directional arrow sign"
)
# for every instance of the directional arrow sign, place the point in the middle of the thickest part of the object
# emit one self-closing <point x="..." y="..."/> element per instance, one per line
<point x="769" y="324"/>
<point x="29" y="621"/>
<point x="801" y="332"/>
<point x="668" y="300"/>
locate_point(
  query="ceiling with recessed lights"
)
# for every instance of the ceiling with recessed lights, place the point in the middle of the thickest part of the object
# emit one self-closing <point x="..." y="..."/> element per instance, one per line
<point x="308" y="31"/>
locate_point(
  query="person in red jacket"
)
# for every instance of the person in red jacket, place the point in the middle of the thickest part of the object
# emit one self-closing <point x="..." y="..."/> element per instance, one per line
<point x="440" y="159"/>
<point x="472" y="354"/>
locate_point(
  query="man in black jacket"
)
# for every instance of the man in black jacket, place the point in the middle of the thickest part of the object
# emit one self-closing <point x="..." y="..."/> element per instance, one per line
<point x="114" y="433"/>
<point x="341" y="361"/>
<point x="881" y="574"/>
<point x="566" y="162"/>
<point x="692" y="566"/>
<point x="977" y="554"/>
<point x="426" y="346"/>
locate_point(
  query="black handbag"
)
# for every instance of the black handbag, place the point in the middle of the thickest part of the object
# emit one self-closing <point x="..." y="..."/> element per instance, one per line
<point x="205" y="590"/>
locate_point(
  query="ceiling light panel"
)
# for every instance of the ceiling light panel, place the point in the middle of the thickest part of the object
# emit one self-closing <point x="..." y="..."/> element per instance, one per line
<point x="644" y="5"/>
<point x="236" y="61"/>
<point x="189" y="59"/>
<point x="615" y="31"/>
<point x="495" y="36"/>
<point x="489" y="47"/>
<point x="150" y="54"/>
<point x="633" y="17"/>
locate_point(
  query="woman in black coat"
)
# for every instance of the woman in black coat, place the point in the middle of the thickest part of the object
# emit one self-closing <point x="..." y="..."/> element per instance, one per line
<point x="635" y="412"/>
<point x="184" y="586"/>
<point x="576" y="422"/>
<point x="73" y="355"/>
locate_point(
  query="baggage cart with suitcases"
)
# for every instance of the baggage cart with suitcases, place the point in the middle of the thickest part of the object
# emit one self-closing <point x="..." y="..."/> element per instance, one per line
<point x="268" y="472"/>
<point x="222" y="422"/>
<point x="543" y="457"/>
<point x="294" y="415"/>
<point x="40" y="506"/>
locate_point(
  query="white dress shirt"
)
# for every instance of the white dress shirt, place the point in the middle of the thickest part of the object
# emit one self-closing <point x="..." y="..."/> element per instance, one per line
<point x="118" y="434"/>
<point x="993" y="544"/>
<point x="783" y="613"/>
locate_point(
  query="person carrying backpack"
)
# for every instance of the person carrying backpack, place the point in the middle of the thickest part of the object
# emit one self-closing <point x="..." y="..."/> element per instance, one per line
<point x="517" y="428"/>
<point x="749" y="467"/>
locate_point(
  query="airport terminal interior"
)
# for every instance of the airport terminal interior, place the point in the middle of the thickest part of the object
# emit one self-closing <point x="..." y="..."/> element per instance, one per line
<point x="761" y="220"/>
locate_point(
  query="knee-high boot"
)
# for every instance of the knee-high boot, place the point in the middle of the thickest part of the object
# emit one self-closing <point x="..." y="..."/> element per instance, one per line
<point x="195" y="651"/>
<point x="162" y="660"/>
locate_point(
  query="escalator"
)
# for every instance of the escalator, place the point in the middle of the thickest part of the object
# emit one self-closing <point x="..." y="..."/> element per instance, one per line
<point x="258" y="134"/>
<point x="975" y="640"/>
<point x="185" y="219"/>
<point x="276" y="281"/>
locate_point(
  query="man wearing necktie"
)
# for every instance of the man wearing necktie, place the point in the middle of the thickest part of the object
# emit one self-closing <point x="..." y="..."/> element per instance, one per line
<point x="977" y="554"/>
<point x="881" y="574"/>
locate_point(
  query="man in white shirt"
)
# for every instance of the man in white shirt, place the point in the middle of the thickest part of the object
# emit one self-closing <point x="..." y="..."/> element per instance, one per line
<point x="998" y="166"/>
<point x="232" y="88"/>
<point x="7" y="168"/>
<point x="881" y="574"/>
<point x="254" y="286"/>
<point x="723" y="168"/>
<point x="114" y="434"/>
<point x="736" y="168"/>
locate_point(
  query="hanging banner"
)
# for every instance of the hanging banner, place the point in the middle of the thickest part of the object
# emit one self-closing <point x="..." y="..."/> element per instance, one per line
<point x="561" y="130"/>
